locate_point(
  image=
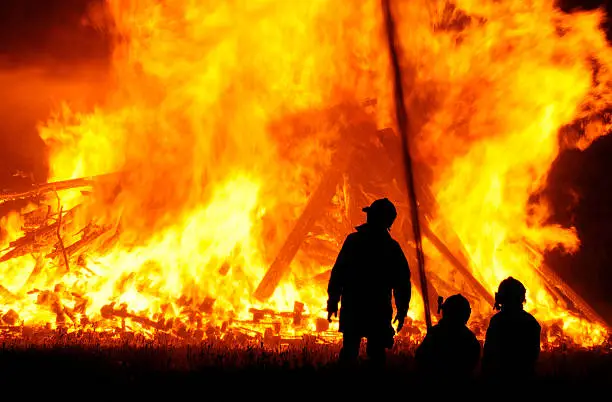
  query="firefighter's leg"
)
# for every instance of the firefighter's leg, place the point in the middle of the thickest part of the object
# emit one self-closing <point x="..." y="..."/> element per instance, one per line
<point x="376" y="350"/>
<point x="350" y="348"/>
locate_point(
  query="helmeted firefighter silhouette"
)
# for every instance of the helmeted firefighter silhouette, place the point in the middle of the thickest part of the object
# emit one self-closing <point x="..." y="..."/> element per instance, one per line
<point x="450" y="349"/>
<point x="370" y="268"/>
<point x="512" y="344"/>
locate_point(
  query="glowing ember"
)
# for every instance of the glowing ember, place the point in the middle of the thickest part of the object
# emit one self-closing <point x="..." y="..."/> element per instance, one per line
<point x="223" y="118"/>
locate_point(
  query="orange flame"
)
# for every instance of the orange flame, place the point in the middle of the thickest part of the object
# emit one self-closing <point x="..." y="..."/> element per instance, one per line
<point x="203" y="122"/>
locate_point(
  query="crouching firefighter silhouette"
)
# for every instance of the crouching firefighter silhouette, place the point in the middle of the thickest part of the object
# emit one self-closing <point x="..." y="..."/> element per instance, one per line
<point x="370" y="268"/>
<point x="512" y="344"/>
<point x="450" y="350"/>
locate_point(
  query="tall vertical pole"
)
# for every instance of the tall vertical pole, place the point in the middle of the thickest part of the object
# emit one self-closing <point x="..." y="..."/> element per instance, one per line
<point x="402" y="123"/>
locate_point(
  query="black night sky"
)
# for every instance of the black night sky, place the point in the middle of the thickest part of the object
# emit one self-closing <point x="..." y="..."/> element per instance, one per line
<point x="47" y="54"/>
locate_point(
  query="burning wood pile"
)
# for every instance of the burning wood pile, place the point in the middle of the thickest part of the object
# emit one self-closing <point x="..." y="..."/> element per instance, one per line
<point x="56" y="242"/>
<point x="237" y="181"/>
<point x="60" y="243"/>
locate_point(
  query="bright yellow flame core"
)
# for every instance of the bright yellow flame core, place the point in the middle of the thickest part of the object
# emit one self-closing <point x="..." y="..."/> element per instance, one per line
<point x="200" y="119"/>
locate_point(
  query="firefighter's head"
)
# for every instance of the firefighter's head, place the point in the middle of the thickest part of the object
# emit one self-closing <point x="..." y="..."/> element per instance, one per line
<point x="510" y="294"/>
<point x="381" y="213"/>
<point x="456" y="309"/>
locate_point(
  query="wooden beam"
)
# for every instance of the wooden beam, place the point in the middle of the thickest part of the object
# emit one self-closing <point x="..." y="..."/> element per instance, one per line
<point x="86" y="240"/>
<point x="415" y="277"/>
<point x="316" y="205"/>
<point x="39" y="189"/>
<point x="462" y="269"/>
<point x="550" y="277"/>
<point x="38" y="267"/>
<point x="33" y="239"/>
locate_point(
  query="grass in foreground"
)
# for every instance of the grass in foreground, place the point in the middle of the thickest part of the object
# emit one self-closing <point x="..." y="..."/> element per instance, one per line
<point x="221" y="370"/>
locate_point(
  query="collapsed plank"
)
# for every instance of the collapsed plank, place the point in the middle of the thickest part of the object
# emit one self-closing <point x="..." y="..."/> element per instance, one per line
<point x="39" y="189"/>
<point x="38" y="268"/>
<point x="432" y="293"/>
<point x="33" y="239"/>
<point x="6" y="295"/>
<point x="427" y="208"/>
<point x="551" y="278"/>
<point x="450" y="257"/>
<point x="86" y="240"/>
<point x="316" y="205"/>
<point x="320" y="198"/>
<point x="109" y="312"/>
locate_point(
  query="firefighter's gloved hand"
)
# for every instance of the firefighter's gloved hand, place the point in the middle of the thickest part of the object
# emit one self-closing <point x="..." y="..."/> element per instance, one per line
<point x="332" y="310"/>
<point x="331" y="314"/>
<point x="399" y="319"/>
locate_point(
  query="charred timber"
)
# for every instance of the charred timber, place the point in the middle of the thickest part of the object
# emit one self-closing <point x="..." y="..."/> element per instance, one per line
<point x="40" y="189"/>
<point x="109" y="312"/>
<point x="85" y="241"/>
<point x="33" y="240"/>
<point x="60" y="240"/>
<point x="34" y="219"/>
<point x="111" y="241"/>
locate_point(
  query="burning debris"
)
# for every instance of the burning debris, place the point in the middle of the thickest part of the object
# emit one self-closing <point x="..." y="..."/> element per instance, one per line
<point x="44" y="232"/>
<point x="238" y="180"/>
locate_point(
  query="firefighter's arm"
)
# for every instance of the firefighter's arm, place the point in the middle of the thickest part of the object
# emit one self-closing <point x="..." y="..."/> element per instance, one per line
<point x="490" y="349"/>
<point x="402" y="289"/>
<point x="336" y="280"/>
<point x="423" y="351"/>
<point x="475" y="353"/>
<point x="536" y="334"/>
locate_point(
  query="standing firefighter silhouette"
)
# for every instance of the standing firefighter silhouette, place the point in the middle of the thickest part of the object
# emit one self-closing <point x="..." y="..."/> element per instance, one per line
<point x="371" y="268"/>
<point x="512" y="344"/>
